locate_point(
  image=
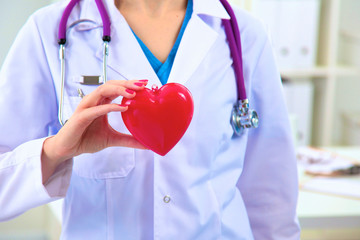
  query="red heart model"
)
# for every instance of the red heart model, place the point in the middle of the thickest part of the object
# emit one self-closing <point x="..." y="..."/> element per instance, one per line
<point x="158" y="118"/>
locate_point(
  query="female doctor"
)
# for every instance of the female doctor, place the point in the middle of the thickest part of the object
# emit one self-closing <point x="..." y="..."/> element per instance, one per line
<point x="211" y="185"/>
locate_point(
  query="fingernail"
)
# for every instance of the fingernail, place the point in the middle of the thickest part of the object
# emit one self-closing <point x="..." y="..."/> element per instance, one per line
<point x="130" y="91"/>
<point x="124" y="105"/>
<point x="140" y="84"/>
<point x="144" y="80"/>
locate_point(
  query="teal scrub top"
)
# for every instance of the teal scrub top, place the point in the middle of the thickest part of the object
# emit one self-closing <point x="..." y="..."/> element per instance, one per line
<point x="163" y="69"/>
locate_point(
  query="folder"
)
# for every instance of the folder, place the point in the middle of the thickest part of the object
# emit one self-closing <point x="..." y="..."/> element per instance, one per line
<point x="293" y="25"/>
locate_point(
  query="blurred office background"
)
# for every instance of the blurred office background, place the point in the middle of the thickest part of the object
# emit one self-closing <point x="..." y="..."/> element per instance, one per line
<point x="317" y="46"/>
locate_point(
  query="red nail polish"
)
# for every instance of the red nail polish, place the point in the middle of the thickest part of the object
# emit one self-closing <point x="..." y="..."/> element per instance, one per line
<point x="144" y="80"/>
<point x="130" y="91"/>
<point x="128" y="102"/>
<point x="139" y="84"/>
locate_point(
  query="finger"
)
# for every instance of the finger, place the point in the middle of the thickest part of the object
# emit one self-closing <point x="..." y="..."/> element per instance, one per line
<point x="106" y="91"/>
<point x="129" y="83"/>
<point x="125" y="140"/>
<point x="135" y="85"/>
<point x="90" y="114"/>
<point x="111" y="90"/>
<point x="117" y="138"/>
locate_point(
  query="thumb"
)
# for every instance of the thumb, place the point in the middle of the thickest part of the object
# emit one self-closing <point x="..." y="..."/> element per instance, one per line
<point x="124" y="140"/>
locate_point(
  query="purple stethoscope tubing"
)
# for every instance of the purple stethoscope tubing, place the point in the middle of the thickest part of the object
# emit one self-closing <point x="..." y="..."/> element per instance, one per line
<point x="103" y="13"/>
<point x="233" y="37"/>
<point x="242" y="117"/>
<point x="231" y="29"/>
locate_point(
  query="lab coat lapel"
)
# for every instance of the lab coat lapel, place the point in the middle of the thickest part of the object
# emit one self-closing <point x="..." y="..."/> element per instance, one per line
<point x="195" y="44"/>
<point x="125" y="54"/>
<point x="127" y="58"/>
<point x="198" y="38"/>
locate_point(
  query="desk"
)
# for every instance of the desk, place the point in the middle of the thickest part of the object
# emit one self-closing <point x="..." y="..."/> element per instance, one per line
<point x="328" y="217"/>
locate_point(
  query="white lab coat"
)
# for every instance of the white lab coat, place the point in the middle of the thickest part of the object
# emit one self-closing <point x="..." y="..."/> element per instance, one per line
<point x="220" y="186"/>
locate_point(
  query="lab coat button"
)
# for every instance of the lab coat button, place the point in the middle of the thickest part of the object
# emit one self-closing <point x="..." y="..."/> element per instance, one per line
<point x="167" y="199"/>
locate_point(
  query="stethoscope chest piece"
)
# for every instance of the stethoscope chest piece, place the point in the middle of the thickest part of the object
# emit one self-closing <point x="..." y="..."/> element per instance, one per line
<point x="242" y="117"/>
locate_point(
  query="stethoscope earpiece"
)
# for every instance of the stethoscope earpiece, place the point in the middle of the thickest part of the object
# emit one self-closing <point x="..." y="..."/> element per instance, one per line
<point x="242" y="117"/>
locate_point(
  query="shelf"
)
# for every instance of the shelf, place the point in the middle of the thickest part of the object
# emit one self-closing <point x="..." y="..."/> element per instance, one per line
<point x="345" y="71"/>
<point x="320" y="72"/>
<point x="316" y="72"/>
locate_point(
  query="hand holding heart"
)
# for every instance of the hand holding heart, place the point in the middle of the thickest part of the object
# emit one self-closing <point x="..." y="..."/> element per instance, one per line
<point x="157" y="118"/>
<point x="88" y="130"/>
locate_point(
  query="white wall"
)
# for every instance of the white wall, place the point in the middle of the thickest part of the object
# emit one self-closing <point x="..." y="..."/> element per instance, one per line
<point x="350" y="18"/>
<point x="14" y="14"/>
<point x="348" y="89"/>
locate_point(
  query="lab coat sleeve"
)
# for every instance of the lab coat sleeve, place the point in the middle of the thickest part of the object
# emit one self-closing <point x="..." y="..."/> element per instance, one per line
<point x="28" y="115"/>
<point x="268" y="182"/>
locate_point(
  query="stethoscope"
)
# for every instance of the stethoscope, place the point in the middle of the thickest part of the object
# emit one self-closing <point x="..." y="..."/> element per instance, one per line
<point x="242" y="117"/>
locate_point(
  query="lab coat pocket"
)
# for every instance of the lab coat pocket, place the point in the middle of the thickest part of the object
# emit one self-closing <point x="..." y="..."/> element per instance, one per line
<point x="112" y="162"/>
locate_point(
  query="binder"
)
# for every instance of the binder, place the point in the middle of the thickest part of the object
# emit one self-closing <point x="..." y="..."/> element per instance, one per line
<point x="299" y="97"/>
<point x="293" y="25"/>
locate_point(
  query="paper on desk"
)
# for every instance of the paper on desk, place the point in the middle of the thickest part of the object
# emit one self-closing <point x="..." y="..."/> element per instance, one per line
<point x="317" y="163"/>
<point x="322" y="162"/>
<point x="347" y="187"/>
